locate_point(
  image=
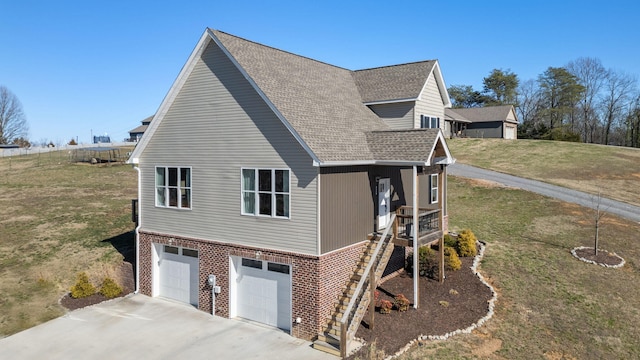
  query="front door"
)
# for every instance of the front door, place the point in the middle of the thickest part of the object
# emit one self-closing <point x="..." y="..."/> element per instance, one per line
<point x="384" y="203"/>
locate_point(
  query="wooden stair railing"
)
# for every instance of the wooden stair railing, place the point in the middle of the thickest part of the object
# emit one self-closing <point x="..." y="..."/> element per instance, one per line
<point x="359" y="302"/>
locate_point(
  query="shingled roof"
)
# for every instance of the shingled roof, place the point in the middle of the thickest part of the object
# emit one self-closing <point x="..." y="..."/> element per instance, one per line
<point x="483" y="114"/>
<point x="397" y="82"/>
<point x="322" y="105"/>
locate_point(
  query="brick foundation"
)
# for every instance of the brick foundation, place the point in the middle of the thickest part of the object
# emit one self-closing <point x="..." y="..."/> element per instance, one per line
<point x="317" y="281"/>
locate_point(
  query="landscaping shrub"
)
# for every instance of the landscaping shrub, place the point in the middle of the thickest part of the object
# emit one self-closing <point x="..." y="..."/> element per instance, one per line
<point x="466" y="245"/>
<point x="83" y="287"/>
<point x="427" y="262"/>
<point x="385" y="306"/>
<point x="401" y="302"/>
<point x="450" y="241"/>
<point x="110" y="288"/>
<point x="451" y="259"/>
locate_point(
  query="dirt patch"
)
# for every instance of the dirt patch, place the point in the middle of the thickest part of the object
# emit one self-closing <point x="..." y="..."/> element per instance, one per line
<point x="603" y="257"/>
<point x="457" y="303"/>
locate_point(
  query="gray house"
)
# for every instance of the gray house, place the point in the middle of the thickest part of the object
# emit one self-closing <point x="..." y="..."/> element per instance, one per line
<point x="484" y="122"/>
<point x="136" y="134"/>
<point x="283" y="184"/>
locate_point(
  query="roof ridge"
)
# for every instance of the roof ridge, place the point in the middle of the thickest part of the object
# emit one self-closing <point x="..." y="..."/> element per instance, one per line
<point x="396" y="65"/>
<point x="280" y="50"/>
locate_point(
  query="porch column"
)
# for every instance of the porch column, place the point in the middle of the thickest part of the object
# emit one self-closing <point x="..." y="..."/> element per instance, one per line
<point x="416" y="273"/>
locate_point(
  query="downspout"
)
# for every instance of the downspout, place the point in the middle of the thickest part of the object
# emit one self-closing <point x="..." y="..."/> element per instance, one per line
<point x="415" y="238"/>
<point x="137" y="289"/>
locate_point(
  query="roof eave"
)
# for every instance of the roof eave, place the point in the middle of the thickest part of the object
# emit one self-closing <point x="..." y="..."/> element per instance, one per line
<point x="389" y="101"/>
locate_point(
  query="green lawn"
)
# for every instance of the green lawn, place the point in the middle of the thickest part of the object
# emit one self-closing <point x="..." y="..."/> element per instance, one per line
<point x="550" y="305"/>
<point x="610" y="170"/>
<point x="57" y="219"/>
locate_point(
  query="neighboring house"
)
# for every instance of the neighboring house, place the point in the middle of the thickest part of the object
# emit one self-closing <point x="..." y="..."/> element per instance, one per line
<point x="271" y="172"/>
<point x="485" y="122"/>
<point x="136" y="134"/>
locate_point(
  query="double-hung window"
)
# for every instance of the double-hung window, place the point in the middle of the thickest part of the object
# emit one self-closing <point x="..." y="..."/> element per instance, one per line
<point x="434" y="188"/>
<point x="173" y="187"/>
<point x="429" y="122"/>
<point x="265" y="192"/>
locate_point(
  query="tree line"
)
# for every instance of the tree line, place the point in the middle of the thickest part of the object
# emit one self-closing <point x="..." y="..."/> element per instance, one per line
<point x="581" y="101"/>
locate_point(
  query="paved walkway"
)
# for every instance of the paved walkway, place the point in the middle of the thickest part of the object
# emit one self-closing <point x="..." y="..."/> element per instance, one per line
<point x="140" y="327"/>
<point x="619" y="208"/>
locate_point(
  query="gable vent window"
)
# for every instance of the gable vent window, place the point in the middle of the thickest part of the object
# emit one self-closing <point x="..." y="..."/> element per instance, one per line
<point x="173" y="187"/>
<point x="429" y="122"/>
<point x="265" y="192"/>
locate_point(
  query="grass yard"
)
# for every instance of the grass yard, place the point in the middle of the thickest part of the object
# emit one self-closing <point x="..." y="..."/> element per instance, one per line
<point x="550" y="305"/>
<point x="56" y="220"/>
<point x="611" y="170"/>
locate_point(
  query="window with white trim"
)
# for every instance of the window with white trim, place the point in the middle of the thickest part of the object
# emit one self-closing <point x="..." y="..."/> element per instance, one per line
<point x="429" y="122"/>
<point x="434" y="188"/>
<point x="265" y="192"/>
<point x="173" y="187"/>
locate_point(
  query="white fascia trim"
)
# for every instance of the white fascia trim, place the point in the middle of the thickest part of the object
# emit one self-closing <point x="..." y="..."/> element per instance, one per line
<point x="343" y="163"/>
<point x="371" y="162"/>
<point x="440" y="138"/>
<point x="444" y="94"/>
<point x="264" y="97"/>
<point x="390" y="101"/>
<point x="170" y="97"/>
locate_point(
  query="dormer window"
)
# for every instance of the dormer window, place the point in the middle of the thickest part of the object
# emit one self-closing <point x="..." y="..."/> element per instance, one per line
<point x="429" y="122"/>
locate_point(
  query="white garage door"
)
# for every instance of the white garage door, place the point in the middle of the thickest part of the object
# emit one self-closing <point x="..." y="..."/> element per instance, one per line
<point x="178" y="274"/>
<point x="510" y="133"/>
<point x="264" y="292"/>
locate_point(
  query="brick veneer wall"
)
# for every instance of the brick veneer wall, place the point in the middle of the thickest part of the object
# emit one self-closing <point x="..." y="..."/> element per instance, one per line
<point x="317" y="281"/>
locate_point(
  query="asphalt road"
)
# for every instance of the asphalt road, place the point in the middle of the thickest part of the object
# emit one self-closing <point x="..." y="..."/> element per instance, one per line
<point x="619" y="208"/>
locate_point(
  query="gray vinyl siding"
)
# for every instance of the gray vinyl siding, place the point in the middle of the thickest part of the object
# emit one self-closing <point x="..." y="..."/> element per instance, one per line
<point x="430" y="103"/>
<point x="217" y="125"/>
<point x="349" y="202"/>
<point x="491" y="129"/>
<point x="398" y="116"/>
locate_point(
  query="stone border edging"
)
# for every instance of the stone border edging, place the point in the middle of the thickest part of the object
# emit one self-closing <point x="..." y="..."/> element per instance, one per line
<point x="621" y="264"/>
<point x="468" y="330"/>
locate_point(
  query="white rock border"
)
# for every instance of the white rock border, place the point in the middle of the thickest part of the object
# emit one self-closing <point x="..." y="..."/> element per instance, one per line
<point x="621" y="264"/>
<point x="468" y="330"/>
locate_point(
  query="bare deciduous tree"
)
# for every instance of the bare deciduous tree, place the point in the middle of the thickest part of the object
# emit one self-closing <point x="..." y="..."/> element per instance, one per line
<point x="618" y="90"/>
<point x="591" y="75"/>
<point x="13" y="123"/>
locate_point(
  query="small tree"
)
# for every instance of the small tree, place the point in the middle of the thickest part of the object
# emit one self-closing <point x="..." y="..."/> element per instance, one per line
<point x="598" y="214"/>
<point x="72" y="142"/>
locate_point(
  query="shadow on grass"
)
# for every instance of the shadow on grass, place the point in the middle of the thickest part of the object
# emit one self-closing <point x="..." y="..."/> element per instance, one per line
<point x="125" y="245"/>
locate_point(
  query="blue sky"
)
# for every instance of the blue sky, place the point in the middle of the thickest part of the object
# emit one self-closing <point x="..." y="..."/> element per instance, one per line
<point x="95" y="67"/>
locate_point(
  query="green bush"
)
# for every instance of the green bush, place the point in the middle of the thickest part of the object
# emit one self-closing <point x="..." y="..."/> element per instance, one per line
<point x="451" y="259"/>
<point x="83" y="287"/>
<point x="466" y="245"/>
<point x="427" y="262"/>
<point x="450" y="241"/>
<point x="110" y="288"/>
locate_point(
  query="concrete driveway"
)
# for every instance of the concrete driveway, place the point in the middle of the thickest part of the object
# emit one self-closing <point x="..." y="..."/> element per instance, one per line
<point x="140" y="327"/>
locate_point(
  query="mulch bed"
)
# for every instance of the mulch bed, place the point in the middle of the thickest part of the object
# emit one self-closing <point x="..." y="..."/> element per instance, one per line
<point x="126" y="281"/>
<point x="604" y="257"/>
<point x="457" y="303"/>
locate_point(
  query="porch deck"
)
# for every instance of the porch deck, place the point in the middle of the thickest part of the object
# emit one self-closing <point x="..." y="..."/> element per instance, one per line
<point x="429" y="226"/>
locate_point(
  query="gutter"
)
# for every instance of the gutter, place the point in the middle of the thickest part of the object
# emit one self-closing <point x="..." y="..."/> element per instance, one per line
<point x="137" y="286"/>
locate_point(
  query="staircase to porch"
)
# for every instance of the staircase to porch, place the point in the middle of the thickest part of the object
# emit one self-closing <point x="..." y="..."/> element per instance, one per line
<point x="351" y="306"/>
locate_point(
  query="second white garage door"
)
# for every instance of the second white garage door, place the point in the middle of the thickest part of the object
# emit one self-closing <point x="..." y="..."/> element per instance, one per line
<point x="263" y="292"/>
